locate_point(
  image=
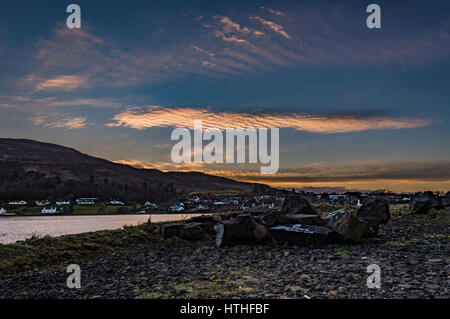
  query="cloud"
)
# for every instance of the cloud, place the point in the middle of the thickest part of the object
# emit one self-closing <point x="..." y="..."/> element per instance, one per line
<point x="402" y="172"/>
<point x="233" y="39"/>
<point x="275" y="27"/>
<point x="86" y="102"/>
<point x="230" y="26"/>
<point x="59" y="121"/>
<point x="159" y="116"/>
<point x="63" y="82"/>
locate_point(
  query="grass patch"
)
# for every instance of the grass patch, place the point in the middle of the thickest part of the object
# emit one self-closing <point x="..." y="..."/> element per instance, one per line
<point x="49" y="252"/>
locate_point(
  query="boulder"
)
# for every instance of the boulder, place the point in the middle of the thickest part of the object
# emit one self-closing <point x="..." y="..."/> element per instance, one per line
<point x="206" y="223"/>
<point x="296" y="204"/>
<point x="421" y="204"/>
<point x="446" y="200"/>
<point x="304" y="234"/>
<point x="347" y="225"/>
<point x="258" y="210"/>
<point x="240" y="230"/>
<point x="171" y="229"/>
<point x="192" y="231"/>
<point x="374" y="213"/>
<point x="279" y="218"/>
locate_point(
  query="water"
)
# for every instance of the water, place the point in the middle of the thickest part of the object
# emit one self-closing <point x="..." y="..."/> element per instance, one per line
<point x="13" y="229"/>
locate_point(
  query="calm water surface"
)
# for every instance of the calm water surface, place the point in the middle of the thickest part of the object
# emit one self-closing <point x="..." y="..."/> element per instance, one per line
<point x="13" y="229"/>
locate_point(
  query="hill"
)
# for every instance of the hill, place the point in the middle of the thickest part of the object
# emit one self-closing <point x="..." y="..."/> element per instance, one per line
<point x="32" y="169"/>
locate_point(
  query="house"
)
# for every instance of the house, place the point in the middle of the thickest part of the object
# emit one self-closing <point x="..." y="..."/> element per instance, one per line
<point x="178" y="207"/>
<point x="44" y="202"/>
<point x="150" y="205"/>
<point x="193" y="199"/>
<point x="61" y="202"/>
<point x="18" y="202"/>
<point x="116" y="202"/>
<point x="3" y="211"/>
<point x="49" y="210"/>
<point x="86" y="201"/>
<point x="338" y="198"/>
<point x="201" y="208"/>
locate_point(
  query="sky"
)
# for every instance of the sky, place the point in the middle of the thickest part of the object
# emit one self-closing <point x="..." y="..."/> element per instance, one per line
<point x="358" y="108"/>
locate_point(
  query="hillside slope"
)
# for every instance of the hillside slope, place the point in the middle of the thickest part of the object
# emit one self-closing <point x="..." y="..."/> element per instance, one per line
<point x="31" y="169"/>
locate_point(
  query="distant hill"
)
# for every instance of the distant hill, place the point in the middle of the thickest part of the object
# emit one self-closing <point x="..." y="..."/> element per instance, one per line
<point x="31" y="169"/>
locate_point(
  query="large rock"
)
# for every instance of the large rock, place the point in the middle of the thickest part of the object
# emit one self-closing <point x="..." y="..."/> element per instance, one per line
<point x="374" y="213"/>
<point x="422" y="203"/>
<point x="279" y="218"/>
<point x="192" y="231"/>
<point x="347" y="225"/>
<point x="446" y="200"/>
<point x="240" y="230"/>
<point x="171" y="229"/>
<point x="258" y="210"/>
<point x="304" y="235"/>
<point x="295" y="204"/>
<point x="206" y="222"/>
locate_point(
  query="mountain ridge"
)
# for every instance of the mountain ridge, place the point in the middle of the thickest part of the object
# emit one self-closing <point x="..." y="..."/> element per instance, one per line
<point x="45" y="170"/>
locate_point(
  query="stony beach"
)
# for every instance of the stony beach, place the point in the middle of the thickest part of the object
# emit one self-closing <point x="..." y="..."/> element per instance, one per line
<point x="412" y="252"/>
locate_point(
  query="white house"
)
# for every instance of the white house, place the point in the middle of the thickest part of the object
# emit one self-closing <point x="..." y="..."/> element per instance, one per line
<point x="61" y="202"/>
<point x="150" y="205"/>
<point x="201" y="208"/>
<point x="3" y="211"/>
<point x="178" y="207"/>
<point x="49" y="210"/>
<point x="86" y="201"/>
<point x="44" y="202"/>
<point x="116" y="202"/>
<point x="18" y="202"/>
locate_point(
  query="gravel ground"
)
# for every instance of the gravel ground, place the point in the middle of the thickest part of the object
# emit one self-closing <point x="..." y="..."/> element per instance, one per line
<point x="412" y="252"/>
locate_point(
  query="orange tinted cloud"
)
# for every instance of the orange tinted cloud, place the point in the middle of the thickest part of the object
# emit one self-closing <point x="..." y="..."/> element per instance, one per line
<point x="275" y="27"/>
<point x="159" y="116"/>
<point x="63" y="82"/>
<point x="55" y="121"/>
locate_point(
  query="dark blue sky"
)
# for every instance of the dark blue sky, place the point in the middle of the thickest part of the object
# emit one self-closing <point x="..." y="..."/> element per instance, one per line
<point x="96" y="88"/>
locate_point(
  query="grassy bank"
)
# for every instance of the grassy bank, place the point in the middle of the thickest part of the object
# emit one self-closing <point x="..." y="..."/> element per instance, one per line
<point x="61" y="251"/>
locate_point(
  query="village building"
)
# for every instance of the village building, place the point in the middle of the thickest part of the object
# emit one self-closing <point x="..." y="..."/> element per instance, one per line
<point x="18" y="202"/>
<point x="178" y="207"/>
<point x="86" y="201"/>
<point x="61" y="202"/>
<point x="116" y="202"/>
<point x="150" y="205"/>
<point x="49" y="210"/>
<point x="44" y="202"/>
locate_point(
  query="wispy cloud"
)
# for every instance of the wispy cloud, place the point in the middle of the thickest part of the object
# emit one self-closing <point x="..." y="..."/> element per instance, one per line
<point x="159" y="116"/>
<point x="272" y="25"/>
<point x="351" y="172"/>
<point x="59" y="121"/>
<point x="63" y="82"/>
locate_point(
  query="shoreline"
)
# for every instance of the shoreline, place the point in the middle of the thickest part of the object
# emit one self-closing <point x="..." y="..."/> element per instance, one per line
<point x="135" y="262"/>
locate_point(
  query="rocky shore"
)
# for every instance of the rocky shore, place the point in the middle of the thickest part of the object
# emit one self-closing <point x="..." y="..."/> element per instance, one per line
<point x="412" y="251"/>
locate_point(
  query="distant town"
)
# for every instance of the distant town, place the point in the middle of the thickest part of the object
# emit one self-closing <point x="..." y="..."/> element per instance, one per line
<point x="200" y="203"/>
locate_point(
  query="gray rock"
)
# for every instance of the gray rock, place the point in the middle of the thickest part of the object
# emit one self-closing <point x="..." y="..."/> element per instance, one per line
<point x="171" y="229"/>
<point x="347" y="225"/>
<point x="192" y="231"/>
<point x="304" y="234"/>
<point x="240" y="230"/>
<point x="296" y="204"/>
<point x="374" y="213"/>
